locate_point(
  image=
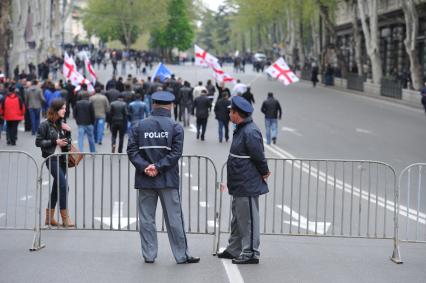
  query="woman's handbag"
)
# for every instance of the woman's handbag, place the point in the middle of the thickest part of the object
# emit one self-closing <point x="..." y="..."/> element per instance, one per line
<point x="74" y="156"/>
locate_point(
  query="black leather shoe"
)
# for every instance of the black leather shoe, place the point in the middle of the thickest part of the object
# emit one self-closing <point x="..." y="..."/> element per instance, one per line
<point x="149" y="261"/>
<point x="240" y="260"/>
<point x="225" y="254"/>
<point x="191" y="259"/>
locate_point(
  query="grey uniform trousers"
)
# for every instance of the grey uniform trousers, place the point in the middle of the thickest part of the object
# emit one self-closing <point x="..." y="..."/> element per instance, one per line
<point x="170" y="202"/>
<point x="244" y="240"/>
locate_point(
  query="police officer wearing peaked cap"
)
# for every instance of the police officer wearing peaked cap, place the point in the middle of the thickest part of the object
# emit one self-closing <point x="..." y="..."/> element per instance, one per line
<point x="154" y="148"/>
<point x="247" y="171"/>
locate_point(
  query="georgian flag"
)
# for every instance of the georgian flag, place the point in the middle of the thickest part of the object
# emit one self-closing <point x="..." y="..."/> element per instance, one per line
<point x="281" y="71"/>
<point x="70" y="72"/>
<point x="89" y="68"/>
<point x="220" y="74"/>
<point x="203" y="58"/>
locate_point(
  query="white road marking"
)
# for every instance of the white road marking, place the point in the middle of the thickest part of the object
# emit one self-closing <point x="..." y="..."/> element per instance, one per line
<point x="115" y="217"/>
<point x="293" y="131"/>
<point x="363" y="131"/>
<point x="194" y="188"/>
<point x="45" y="183"/>
<point x="188" y="175"/>
<point x="204" y="204"/>
<point x="183" y="164"/>
<point x="389" y="205"/>
<point x="2" y="214"/>
<point x="192" y="128"/>
<point x="26" y="198"/>
<point x="21" y="129"/>
<point x="232" y="271"/>
<point x="211" y="223"/>
<point x="304" y="224"/>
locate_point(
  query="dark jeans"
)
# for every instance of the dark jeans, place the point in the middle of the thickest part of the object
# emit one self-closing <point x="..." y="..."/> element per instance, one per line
<point x="59" y="179"/>
<point x="201" y="123"/>
<point x="223" y="125"/>
<point x="12" y="131"/>
<point x="424" y="102"/>
<point x="121" y="129"/>
<point x="35" y="119"/>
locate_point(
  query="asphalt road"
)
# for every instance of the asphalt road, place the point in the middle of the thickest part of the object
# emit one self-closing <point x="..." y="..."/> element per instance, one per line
<point x="319" y="123"/>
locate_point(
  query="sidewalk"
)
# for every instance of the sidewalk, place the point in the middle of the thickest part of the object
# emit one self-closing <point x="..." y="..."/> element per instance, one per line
<point x="102" y="256"/>
<point x="366" y="94"/>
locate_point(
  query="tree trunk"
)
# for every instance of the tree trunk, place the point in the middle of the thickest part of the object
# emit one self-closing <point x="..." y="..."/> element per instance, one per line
<point x="371" y="35"/>
<point x="4" y="34"/>
<point x="315" y="38"/>
<point x="356" y="37"/>
<point x="412" y="27"/>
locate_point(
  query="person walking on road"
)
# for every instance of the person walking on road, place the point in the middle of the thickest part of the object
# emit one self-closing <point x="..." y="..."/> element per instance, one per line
<point x="101" y="106"/>
<point x="221" y="110"/>
<point x="423" y="93"/>
<point x="248" y="95"/>
<point x="186" y="100"/>
<point x="314" y="74"/>
<point x="155" y="147"/>
<point x="247" y="174"/>
<point x="54" y="137"/>
<point x="34" y="100"/>
<point x="13" y="110"/>
<point x="118" y="122"/>
<point x="84" y="114"/>
<point x="201" y="108"/>
<point x="272" y="110"/>
<point x="137" y="109"/>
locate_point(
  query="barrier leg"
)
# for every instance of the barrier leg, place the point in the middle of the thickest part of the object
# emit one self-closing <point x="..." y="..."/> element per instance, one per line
<point x="37" y="245"/>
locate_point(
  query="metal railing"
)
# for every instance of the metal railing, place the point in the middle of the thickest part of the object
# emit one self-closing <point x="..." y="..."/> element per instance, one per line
<point x="355" y="82"/>
<point x="18" y="179"/>
<point x="391" y="88"/>
<point x="102" y="194"/>
<point x="412" y="221"/>
<point x="328" y="198"/>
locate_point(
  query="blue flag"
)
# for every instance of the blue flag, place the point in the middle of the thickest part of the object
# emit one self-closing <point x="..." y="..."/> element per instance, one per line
<point x="161" y="72"/>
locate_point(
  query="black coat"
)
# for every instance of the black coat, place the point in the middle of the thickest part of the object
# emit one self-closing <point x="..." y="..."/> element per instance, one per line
<point x="202" y="106"/>
<point x="84" y="113"/>
<point x="271" y="108"/>
<point x="46" y="137"/>
<point x="221" y="109"/>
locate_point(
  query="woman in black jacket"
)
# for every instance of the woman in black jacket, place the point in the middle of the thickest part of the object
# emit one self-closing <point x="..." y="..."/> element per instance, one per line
<point x="53" y="137"/>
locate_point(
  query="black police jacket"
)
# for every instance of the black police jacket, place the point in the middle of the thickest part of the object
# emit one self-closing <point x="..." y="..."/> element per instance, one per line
<point x="246" y="162"/>
<point x="156" y="140"/>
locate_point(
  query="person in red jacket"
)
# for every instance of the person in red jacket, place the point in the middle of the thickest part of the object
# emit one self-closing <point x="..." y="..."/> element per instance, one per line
<point x="13" y="110"/>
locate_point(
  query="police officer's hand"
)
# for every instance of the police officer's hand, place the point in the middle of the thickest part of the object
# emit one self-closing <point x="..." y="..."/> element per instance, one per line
<point x="151" y="171"/>
<point x="265" y="177"/>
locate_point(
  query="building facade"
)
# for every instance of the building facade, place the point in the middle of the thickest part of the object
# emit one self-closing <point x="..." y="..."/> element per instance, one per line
<point x="392" y="26"/>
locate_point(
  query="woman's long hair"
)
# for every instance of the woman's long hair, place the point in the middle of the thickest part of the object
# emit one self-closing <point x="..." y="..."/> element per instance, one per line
<point x="52" y="113"/>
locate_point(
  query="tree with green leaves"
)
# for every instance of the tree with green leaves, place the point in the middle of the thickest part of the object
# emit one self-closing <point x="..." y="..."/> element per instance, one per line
<point x="123" y="20"/>
<point x="177" y="33"/>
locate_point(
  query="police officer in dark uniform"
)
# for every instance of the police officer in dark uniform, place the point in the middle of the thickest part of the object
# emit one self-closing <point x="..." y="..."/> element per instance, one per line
<point x="154" y="148"/>
<point x="247" y="173"/>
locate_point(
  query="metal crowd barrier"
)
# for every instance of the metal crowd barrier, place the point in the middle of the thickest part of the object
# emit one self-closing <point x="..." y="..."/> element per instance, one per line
<point x="327" y="198"/>
<point x="18" y="179"/>
<point x="412" y="221"/>
<point x="102" y="195"/>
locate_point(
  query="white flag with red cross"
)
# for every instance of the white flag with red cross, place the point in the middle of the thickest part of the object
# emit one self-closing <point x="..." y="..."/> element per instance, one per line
<point x="70" y="73"/>
<point x="282" y="72"/>
<point x="203" y="58"/>
<point x="89" y="68"/>
<point x="220" y="74"/>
